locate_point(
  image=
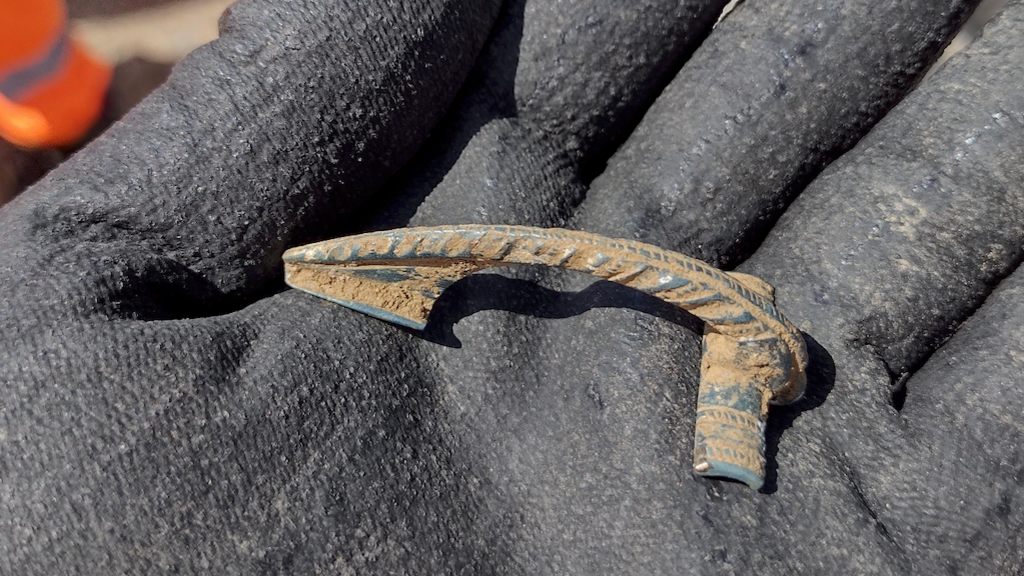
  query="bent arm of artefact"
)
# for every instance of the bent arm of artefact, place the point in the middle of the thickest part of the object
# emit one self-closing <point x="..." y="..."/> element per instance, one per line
<point x="753" y="356"/>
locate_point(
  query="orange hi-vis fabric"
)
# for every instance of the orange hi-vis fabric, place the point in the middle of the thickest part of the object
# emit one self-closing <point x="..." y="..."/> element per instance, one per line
<point x="51" y="90"/>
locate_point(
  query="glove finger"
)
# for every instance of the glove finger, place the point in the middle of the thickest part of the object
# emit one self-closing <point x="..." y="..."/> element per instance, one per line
<point x="880" y="259"/>
<point x="559" y="85"/>
<point x="963" y="417"/>
<point x="922" y="219"/>
<point x="779" y="90"/>
<point x="257" y="142"/>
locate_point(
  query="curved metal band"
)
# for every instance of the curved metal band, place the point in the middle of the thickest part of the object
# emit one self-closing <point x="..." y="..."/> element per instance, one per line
<point x="397" y="276"/>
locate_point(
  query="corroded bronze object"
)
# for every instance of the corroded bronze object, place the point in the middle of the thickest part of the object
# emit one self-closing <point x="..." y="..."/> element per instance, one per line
<point x="753" y="356"/>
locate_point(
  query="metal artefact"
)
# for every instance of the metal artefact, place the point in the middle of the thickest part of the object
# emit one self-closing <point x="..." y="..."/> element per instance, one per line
<point x="753" y="356"/>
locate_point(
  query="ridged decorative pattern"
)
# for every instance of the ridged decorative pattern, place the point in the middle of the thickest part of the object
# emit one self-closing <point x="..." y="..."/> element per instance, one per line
<point x="397" y="276"/>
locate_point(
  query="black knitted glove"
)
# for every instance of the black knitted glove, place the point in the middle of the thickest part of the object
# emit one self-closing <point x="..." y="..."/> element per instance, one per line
<point x="167" y="406"/>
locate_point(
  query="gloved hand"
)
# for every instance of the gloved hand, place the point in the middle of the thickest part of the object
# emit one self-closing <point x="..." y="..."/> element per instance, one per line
<point x="168" y="407"/>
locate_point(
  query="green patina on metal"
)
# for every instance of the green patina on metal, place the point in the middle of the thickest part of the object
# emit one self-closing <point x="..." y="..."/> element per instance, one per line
<point x="753" y="356"/>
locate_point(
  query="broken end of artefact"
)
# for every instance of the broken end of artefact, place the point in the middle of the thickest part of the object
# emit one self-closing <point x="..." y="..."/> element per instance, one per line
<point x="713" y="468"/>
<point x="402" y="295"/>
<point x="729" y="433"/>
<point x="329" y="284"/>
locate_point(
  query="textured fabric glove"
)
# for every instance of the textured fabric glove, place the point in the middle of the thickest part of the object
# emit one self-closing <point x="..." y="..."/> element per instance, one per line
<point x="167" y="406"/>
